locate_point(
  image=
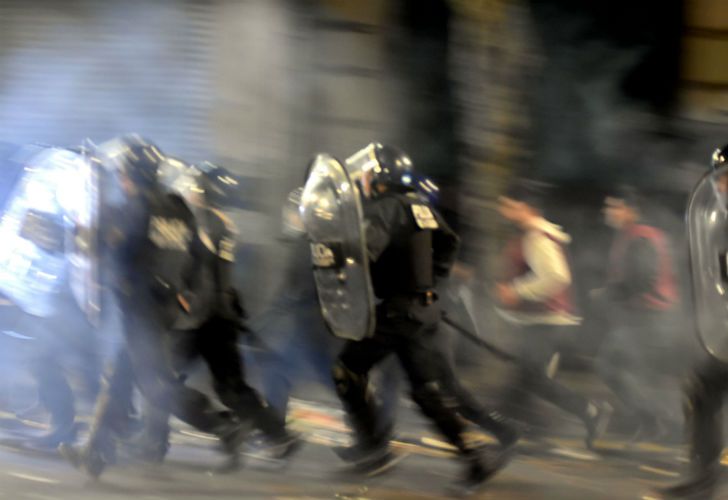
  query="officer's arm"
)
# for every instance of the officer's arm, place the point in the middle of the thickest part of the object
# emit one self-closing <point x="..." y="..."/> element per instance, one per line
<point x="380" y="220"/>
<point x="225" y="261"/>
<point x="549" y="270"/>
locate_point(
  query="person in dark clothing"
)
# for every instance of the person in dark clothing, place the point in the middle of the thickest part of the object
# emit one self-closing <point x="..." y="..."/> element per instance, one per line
<point x="409" y="246"/>
<point x="466" y="405"/>
<point x="297" y="343"/>
<point x="155" y="250"/>
<point x="213" y="334"/>
<point x="640" y="295"/>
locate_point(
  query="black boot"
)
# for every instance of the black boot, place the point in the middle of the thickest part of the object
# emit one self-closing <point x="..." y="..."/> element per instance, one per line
<point x="477" y="472"/>
<point x="363" y="453"/>
<point x="232" y="437"/>
<point x="284" y="446"/>
<point x="701" y="485"/>
<point x="366" y="449"/>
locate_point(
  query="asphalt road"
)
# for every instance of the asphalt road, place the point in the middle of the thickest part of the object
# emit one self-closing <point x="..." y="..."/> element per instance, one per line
<point x="552" y="468"/>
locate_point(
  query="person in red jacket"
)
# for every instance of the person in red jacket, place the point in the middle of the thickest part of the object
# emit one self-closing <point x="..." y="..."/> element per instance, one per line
<point x="639" y="295"/>
<point x="535" y="299"/>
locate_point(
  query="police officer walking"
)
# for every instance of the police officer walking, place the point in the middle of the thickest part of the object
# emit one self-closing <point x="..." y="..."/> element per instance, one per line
<point x="409" y="247"/>
<point x="211" y="331"/>
<point x="708" y="236"/>
<point x="154" y="247"/>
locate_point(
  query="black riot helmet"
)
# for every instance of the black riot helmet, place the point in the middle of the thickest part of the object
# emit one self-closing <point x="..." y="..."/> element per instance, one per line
<point x="135" y="158"/>
<point x="222" y="188"/>
<point x="388" y="166"/>
<point x="719" y="158"/>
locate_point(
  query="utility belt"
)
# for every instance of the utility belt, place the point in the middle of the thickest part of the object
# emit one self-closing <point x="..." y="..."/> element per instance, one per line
<point x="422" y="307"/>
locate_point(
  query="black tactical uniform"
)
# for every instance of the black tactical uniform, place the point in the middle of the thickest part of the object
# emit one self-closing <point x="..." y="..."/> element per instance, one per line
<point x="212" y="334"/>
<point x="409" y="246"/>
<point x="155" y="250"/>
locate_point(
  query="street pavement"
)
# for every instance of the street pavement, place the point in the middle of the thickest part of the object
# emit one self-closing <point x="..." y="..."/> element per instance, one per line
<point x="548" y="468"/>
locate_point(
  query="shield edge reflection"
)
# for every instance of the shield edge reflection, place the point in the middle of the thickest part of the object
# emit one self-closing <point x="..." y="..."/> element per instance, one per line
<point x="354" y="193"/>
<point x="694" y="279"/>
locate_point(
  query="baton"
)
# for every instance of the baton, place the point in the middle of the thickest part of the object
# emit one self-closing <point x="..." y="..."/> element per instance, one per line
<point x="497" y="351"/>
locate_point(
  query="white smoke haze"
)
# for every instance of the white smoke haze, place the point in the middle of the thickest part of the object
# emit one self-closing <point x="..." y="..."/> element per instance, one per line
<point x="260" y="86"/>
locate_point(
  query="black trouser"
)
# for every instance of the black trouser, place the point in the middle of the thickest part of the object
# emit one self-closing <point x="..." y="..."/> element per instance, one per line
<point x="537" y="347"/>
<point x="216" y="342"/>
<point x="298" y="348"/>
<point x="459" y="398"/>
<point x="705" y="395"/>
<point x="145" y="360"/>
<point x="413" y="342"/>
<point x="628" y="362"/>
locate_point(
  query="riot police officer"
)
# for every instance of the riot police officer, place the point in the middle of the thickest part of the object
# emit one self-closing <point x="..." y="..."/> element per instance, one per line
<point x="708" y="235"/>
<point x="153" y="244"/>
<point x="46" y="275"/>
<point x="466" y="405"/>
<point x="212" y="331"/>
<point x="409" y="247"/>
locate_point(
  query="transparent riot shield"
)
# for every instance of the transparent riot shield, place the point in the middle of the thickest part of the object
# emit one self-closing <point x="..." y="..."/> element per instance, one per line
<point x="332" y="217"/>
<point x="46" y="232"/>
<point x="707" y="221"/>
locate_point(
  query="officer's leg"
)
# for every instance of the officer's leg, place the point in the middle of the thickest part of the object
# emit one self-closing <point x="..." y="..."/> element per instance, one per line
<point x="388" y="391"/>
<point x="154" y="443"/>
<point x="705" y="404"/>
<point x="281" y="362"/>
<point x="217" y="343"/>
<point x="705" y="394"/>
<point x="423" y="364"/>
<point x="351" y="377"/>
<point x="111" y="414"/>
<point x="470" y="408"/>
<point x="465" y="403"/>
<point x="56" y="396"/>
<point x="158" y="382"/>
